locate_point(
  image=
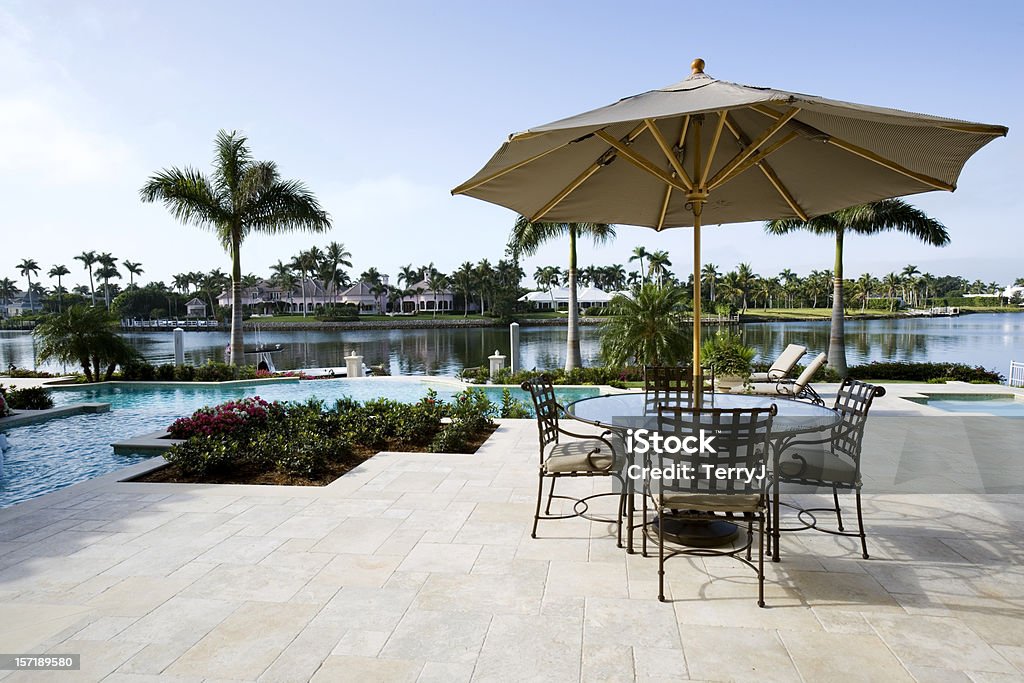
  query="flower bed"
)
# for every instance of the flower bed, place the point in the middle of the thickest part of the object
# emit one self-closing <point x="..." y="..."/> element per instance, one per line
<point x="251" y="441"/>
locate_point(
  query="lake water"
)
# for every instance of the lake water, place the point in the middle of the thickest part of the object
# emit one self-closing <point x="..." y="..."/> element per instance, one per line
<point x="990" y="340"/>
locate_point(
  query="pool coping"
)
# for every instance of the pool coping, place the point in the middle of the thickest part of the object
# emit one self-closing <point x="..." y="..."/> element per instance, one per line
<point x="21" y="418"/>
<point x="151" y="384"/>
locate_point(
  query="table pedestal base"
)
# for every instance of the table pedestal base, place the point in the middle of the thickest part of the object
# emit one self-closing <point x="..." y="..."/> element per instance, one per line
<point x="683" y="529"/>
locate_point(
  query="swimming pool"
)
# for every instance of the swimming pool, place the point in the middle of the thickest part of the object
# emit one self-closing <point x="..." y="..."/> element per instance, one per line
<point x="1001" y="405"/>
<point x="48" y="456"/>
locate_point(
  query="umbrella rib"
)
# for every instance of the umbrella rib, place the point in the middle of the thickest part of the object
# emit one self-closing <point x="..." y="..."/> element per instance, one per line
<point x="663" y="144"/>
<point x="874" y="157"/>
<point x="769" y="173"/>
<point x="601" y="162"/>
<point x="752" y="147"/>
<point x="641" y="162"/>
<point x="714" y="147"/>
<point x="889" y="164"/>
<point x="472" y="185"/>
<point x="664" y="208"/>
<point x="753" y="160"/>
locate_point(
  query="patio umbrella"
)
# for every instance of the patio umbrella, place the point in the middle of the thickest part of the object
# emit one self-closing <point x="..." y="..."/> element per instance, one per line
<point x="705" y="151"/>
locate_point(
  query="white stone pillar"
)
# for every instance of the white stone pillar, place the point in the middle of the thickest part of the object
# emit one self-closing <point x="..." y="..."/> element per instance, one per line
<point x="497" y="363"/>
<point x="179" y="347"/>
<point x="515" y="362"/>
<point x="354" y="365"/>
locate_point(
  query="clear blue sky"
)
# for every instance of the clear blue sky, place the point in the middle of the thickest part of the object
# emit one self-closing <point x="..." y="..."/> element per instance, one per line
<point x="381" y="108"/>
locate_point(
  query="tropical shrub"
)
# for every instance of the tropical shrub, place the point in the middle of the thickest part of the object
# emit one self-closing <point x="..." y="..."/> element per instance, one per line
<point x="513" y="408"/>
<point x="224" y="419"/>
<point x="26" y="398"/>
<point x="615" y="376"/>
<point x="86" y="336"/>
<point x="646" y="327"/>
<point x="727" y="355"/>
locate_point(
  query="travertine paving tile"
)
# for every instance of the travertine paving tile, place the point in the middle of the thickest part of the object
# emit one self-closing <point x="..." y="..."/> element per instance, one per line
<point x="718" y="653"/>
<point x="821" y="656"/>
<point x="937" y="642"/>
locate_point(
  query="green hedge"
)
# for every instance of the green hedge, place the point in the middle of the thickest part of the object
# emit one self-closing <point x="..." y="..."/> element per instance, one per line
<point x="212" y="371"/>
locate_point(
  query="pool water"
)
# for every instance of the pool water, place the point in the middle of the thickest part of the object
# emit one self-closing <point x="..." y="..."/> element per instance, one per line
<point x="51" y="455"/>
<point x="1002" y="405"/>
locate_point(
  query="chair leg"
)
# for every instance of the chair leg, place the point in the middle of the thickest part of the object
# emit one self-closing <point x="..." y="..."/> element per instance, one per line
<point x="661" y="561"/>
<point x="860" y="524"/>
<point x="622" y="513"/>
<point x="750" y="535"/>
<point x="540" y="497"/>
<point x="760" y="565"/>
<point x="551" y="494"/>
<point x="839" y="515"/>
<point x="629" y="521"/>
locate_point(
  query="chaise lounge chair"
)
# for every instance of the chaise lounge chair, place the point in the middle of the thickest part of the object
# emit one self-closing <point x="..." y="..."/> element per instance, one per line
<point x="790" y="388"/>
<point x="782" y="366"/>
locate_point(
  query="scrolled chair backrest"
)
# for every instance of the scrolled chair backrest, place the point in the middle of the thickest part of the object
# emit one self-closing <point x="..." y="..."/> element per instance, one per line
<point x="853" y="401"/>
<point x="546" y="408"/>
<point x="667" y="385"/>
<point x="741" y="440"/>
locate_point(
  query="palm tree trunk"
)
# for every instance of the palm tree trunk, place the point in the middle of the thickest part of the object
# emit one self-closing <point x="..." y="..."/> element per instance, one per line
<point x="837" y="336"/>
<point x="92" y="289"/>
<point x="572" y="337"/>
<point x="237" y="341"/>
<point x="304" y="294"/>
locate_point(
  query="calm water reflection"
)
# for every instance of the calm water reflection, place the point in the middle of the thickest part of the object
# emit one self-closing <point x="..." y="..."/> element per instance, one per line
<point x="988" y="340"/>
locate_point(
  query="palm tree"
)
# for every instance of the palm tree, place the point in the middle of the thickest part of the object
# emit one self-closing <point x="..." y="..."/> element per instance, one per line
<point x="463" y="279"/>
<point x="7" y="289"/>
<point x="27" y="267"/>
<point x="88" y="259"/>
<point x="639" y="254"/>
<point x="108" y="269"/>
<point x="891" y="282"/>
<point x="181" y="282"/>
<point x="646" y="329"/>
<point x="284" y="278"/>
<point x="303" y="262"/>
<point x="436" y="282"/>
<point x="709" y="277"/>
<point x="526" y="238"/>
<point x="133" y="269"/>
<point x="865" y="283"/>
<point x="84" y="335"/>
<point x="241" y="197"/>
<point x="337" y="257"/>
<point x="58" y="272"/>
<point x="483" y="277"/>
<point x="865" y="219"/>
<point x="408" y="276"/>
<point x="745" y="278"/>
<point x="657" y="265"/>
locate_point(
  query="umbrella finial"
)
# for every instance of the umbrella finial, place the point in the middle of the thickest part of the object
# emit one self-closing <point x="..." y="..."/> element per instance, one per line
<point x="697" y="66"/>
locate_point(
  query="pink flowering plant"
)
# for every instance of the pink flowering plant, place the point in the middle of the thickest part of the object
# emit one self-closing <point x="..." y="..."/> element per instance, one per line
<point x="224" y="419"/>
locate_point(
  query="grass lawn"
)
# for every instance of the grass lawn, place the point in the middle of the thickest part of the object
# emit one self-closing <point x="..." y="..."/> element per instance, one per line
<point x="311" y="319"/>
<point x="811" y="313"/>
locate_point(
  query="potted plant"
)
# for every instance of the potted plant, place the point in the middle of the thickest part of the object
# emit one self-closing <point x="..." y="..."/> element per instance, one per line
<point x="729" y="358"/>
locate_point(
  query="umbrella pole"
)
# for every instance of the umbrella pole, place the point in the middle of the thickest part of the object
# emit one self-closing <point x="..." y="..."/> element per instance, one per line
<point x="698" y="378"/>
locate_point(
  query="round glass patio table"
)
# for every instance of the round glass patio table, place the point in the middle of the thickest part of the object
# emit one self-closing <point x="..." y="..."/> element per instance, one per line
<point x="619" y="412"/>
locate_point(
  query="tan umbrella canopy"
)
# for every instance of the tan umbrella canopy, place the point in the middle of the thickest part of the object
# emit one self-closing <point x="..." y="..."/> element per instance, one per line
<point x="710" y="151"/>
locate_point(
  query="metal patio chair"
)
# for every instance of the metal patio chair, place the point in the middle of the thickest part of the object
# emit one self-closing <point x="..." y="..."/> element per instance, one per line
<point x="741" y="439"/>
<point x="833" y="462"/>
<point x="588" y="455"/>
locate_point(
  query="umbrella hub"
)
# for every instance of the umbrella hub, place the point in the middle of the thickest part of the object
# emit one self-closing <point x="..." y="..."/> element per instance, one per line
<point x="697" y="70"/>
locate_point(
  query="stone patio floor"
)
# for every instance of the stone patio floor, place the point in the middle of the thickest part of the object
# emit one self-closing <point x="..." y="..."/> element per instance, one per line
<point x="421" y="567"/>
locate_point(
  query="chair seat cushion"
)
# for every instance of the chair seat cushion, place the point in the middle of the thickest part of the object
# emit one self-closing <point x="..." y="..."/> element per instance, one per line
<point x="772" y="388"/>
<point x="712" y="502"/>
<point x="571" y="456"/>
<point x="816" y="463"/>
<point x="766" y="376"/>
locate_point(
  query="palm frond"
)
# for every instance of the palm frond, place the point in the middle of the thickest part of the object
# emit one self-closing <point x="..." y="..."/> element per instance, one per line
<point x="188" y="195"/>
<point x="286" y="206"/>
<point x="231" y="158"/>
